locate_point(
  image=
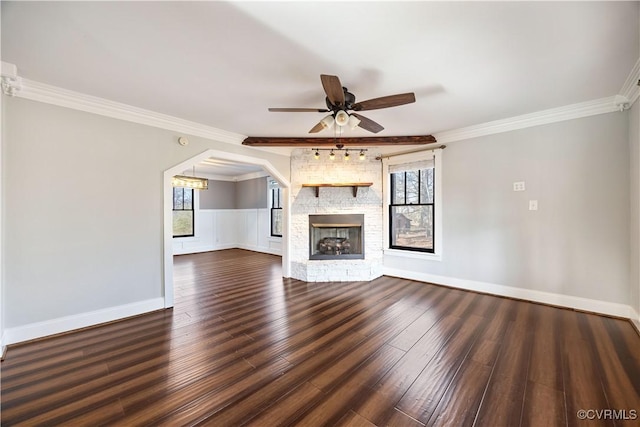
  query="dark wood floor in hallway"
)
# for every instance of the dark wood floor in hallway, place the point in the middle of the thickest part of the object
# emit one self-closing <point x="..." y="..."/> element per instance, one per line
<point x="245" y="347"/>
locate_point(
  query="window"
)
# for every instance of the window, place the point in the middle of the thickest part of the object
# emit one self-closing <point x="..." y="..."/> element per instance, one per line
<point x="276" y="211"/>
<point x="183" y="224"/>
<point x="412" y="206"/>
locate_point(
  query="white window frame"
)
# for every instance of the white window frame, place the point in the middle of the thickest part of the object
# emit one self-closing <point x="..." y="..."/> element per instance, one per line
<point x="436" y="154"/>
<point x="271" y="184"/>
<point x="196" y="219"/>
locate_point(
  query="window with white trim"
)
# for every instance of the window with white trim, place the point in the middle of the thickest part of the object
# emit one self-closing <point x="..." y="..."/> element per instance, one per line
<point x="276" y="209"/>
<point x="412" y="203"/>
<point x="183" y="212"/>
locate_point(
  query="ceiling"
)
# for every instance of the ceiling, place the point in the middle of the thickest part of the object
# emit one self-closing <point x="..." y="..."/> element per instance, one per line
<point x="225" y="170"/>
<point x="223" y="64"/>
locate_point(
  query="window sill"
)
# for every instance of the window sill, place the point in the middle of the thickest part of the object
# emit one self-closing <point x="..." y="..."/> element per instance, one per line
<point x="274" y="238"/>
<point x="187" y="238"/>
<point x="413" y="254"/>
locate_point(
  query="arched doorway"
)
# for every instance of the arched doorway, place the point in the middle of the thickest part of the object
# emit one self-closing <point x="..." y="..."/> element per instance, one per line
<point x="168" y="206"/>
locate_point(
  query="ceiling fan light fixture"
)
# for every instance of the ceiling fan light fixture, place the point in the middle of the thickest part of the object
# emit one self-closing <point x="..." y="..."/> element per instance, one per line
<point x="342" y="118"/>
<point x="327" y="122"/>
<point x="353" y="122"/>
<point x="340" y="101"/>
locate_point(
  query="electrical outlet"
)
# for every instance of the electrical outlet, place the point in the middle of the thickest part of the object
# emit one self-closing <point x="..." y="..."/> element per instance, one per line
<point x="533" y="205"/>
<point x="518" y="186"/>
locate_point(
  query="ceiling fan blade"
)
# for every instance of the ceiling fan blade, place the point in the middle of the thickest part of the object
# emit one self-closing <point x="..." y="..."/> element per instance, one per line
<point x="299" y="110"/>
<point x="385" y="102"/>
<point x="368" y="124"/>
<point x="317" y="128"/>
<point x="333" y="89"/>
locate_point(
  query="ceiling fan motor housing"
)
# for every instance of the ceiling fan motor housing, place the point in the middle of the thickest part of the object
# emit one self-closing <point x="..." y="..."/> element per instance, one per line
<point x="349" y="101"/>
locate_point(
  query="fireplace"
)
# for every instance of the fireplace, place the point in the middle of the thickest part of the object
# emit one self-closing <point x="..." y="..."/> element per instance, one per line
<point x="336" y="236"/>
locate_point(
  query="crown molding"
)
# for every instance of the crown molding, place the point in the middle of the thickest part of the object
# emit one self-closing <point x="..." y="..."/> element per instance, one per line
<point x="569" y="112"/>
<point x="42" y="92"/>
<point x="36" y="91"/>
<point x="9" y="80"/>
<point x="631" y="88"/>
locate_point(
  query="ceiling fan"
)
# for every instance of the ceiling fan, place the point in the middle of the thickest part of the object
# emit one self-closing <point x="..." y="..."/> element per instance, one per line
<point x="341" y="104"/>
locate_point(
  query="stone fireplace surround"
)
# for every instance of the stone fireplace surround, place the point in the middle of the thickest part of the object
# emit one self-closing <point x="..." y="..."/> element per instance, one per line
<point x="335" y="200"/>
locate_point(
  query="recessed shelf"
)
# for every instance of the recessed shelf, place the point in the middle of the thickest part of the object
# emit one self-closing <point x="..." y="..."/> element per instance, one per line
<point x="353" y="185"/>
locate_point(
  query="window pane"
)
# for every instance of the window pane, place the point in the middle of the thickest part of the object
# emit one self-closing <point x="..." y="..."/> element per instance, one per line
<point x="188" y="198"/>
<point x="397" y="198"/>
<point x="276" y="201"/>
<point x="412" y="227"/>
<point x="426" y="186"/>
<point x="276" y="222"/>
<point x="177" y="198"/>
<point x="412" y="187"/>
<point x="182" y="223"/>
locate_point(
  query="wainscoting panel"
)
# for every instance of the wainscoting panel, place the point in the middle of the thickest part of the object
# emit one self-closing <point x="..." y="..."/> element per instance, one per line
<point x="218" y="229"/>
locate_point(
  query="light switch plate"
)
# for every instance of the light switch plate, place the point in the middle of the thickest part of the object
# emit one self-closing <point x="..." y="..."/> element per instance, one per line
<point x="518" y="186"/>
<point x="533" y="205"/>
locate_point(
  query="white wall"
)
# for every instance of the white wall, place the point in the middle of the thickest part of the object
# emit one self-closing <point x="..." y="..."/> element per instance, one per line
<point x="634" y="147"/>
<point x="576" y="244"/>
<point x="84" y="214"/>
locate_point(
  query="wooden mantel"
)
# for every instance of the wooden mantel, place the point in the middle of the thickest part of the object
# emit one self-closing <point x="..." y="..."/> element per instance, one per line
<point x="353" y="185"/>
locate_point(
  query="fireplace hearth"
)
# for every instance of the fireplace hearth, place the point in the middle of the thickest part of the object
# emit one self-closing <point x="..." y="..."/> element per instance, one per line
<point x="336" y="237"/>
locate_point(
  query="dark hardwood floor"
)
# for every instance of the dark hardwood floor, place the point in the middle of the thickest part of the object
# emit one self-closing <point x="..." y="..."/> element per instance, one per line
<point x="245" y="347"/>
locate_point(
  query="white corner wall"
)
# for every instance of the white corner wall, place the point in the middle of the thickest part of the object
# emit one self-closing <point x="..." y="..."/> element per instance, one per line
<point x="3" y="344"/>
<point x="83" y="226"/>
<point x="572" y="251"/>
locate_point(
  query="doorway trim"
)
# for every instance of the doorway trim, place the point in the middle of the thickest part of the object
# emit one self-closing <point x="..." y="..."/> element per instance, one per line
<point x="167" y="241"/>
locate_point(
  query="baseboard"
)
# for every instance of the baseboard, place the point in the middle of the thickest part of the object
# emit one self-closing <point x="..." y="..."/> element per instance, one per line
<point x="635" y="320"/>
<point x="263" y="249"/>
<point x="78" y="321"/>
<point x="201" y="249"/>
<point x="578" y="303"/>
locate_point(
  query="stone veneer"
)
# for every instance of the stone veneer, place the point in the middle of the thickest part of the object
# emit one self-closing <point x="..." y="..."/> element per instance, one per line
<point x="335" y="200"/>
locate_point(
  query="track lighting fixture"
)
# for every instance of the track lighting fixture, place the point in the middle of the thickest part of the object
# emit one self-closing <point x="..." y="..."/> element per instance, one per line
<point x="332" y="153"/>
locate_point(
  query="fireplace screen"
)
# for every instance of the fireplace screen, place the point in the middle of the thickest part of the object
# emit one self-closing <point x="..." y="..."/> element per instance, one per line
<point x="336" y="236"/>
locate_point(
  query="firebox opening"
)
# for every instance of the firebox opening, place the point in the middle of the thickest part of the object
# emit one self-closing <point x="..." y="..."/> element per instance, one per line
<point x="336" y="236"/>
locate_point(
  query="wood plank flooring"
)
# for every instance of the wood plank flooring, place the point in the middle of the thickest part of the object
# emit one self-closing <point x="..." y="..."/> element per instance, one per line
<point x="243" y="346"/>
